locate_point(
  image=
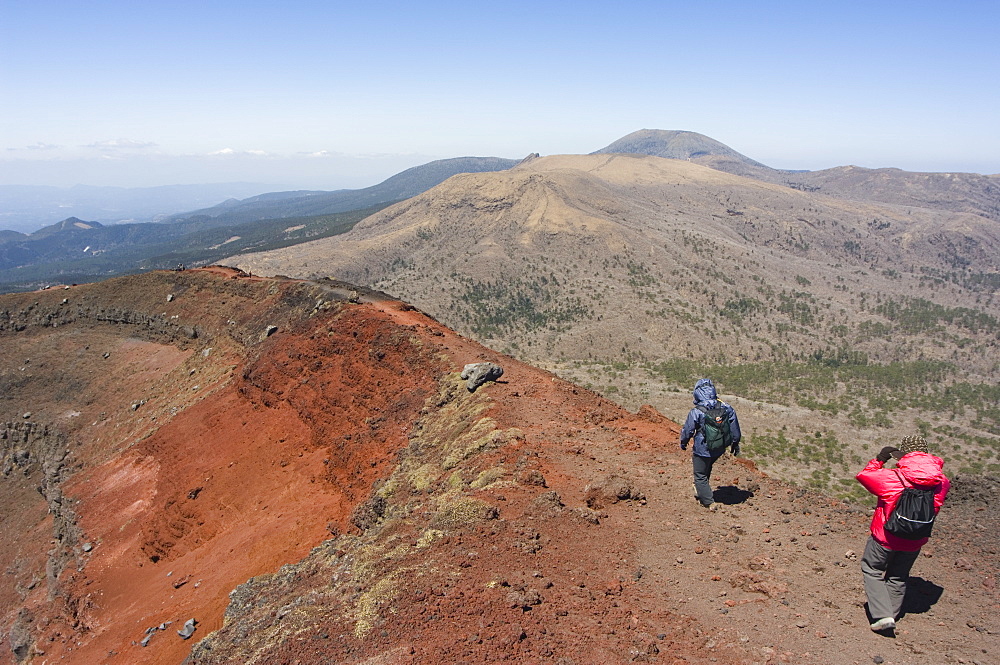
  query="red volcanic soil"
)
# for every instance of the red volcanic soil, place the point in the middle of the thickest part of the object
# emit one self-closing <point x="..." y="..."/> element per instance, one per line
<point x="300" y="468"/>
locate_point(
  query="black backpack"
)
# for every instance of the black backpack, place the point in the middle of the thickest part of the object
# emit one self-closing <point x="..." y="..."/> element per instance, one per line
<point x="715" y="428"/>
<point x="913" y="515"/>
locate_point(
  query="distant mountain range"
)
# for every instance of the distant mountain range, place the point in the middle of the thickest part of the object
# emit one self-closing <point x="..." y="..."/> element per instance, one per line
<point x="24" y="208"/>
<point x="280" y="219"/>
<point x="403" y="185"/>
<point x="78" y="251"/>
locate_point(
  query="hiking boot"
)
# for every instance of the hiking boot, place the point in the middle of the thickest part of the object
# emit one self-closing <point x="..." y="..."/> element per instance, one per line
<point x="711" y="506"/>
<point x="883" y="624"/>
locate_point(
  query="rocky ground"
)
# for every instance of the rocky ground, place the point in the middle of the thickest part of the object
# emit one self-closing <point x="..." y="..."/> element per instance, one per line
<point x="330" y="491"/>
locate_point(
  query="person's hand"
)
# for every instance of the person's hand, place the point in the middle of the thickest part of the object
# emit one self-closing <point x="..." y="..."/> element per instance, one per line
<point x="886" y="453"/>
<point x="684" y="446"/>
<point x="736" y="449"/>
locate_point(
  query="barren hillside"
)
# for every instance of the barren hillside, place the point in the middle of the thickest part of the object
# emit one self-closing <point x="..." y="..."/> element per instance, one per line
<point x="299" y="468"/>
<point x="561" y="256"/>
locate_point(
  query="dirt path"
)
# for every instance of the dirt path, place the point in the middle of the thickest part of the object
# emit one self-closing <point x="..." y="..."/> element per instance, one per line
<point x="776" y="572"/>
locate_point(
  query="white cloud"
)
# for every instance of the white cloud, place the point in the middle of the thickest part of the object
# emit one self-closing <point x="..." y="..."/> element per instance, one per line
<point x="121" y="144"/>
<point x="229" y="152"/>
<point x="42" y="146"/>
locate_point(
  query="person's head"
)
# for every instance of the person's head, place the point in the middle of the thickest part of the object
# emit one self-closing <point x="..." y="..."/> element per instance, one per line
<point x="704" y="391"/>
<point x="911" y="444"/>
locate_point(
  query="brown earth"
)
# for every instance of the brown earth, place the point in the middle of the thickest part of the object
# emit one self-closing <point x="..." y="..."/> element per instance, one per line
<point x="330" y="491"/>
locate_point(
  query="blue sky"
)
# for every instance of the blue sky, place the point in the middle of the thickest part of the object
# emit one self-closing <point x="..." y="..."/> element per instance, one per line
<point x="333" y="94"/>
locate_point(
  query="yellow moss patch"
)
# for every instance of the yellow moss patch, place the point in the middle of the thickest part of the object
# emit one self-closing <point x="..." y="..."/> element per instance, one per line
<point x="367" y="609"/>
<point x="461" y="511"/>
<point x="487" y="477"/>
<point x="389" y="488"/>
<point x="428" y="537"/>
<point x="423" y="477"/>
<point x="483" y="434"/>
<point x="455" y="482"/>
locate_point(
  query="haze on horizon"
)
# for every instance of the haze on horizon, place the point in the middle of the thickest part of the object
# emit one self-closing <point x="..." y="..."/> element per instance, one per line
<point x="335" y="95"/>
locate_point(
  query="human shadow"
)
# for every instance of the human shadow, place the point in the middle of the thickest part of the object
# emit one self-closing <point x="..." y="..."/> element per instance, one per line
<point x="730" y="495"/>
<point x="921" y="596"/>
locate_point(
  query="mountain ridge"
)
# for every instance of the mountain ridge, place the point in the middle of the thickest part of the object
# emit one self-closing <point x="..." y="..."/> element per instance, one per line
<point x="55" y="255"/>
<point x="403" y="185"/>
<point x="957" y="192"/>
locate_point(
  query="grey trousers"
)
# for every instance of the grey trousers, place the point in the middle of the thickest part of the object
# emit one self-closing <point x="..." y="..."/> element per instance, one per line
<point x="885" y="573"/>
<point x="702" y="476"/>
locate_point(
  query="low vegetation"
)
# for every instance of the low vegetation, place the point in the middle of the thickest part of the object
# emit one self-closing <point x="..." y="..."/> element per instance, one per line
<point x="825" y="416"/>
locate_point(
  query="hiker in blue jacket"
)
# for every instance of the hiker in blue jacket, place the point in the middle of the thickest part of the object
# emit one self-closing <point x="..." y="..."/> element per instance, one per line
<point x="714" y="426"/>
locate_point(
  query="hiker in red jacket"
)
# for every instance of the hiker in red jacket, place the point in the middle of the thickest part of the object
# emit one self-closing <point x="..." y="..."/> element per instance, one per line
<point x="888" y="558"/>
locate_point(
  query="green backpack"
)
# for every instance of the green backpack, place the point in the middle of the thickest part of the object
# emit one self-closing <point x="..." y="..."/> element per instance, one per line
<point x="715" y="428"/>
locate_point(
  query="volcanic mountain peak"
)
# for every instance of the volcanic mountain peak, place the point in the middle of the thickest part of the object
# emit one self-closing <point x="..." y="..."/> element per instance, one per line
<point x="67" y="225"/>
<point x="692" y="146"/>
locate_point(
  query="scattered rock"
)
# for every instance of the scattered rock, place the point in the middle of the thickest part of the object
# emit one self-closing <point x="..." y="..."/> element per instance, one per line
<point x="548" y="502"/>
<point x="525" y="599"/>
<point x="532" y="477"/>
<point x="188" y="629"/>
<point x="369" y="513"/>
<point x="270" y="330"/>
<point x="612" y="489"/>
<point x="963" y="564"/>
<point x="757" y="583"/>
<point x="476" y="374"/>
<point x="587" y="515"/>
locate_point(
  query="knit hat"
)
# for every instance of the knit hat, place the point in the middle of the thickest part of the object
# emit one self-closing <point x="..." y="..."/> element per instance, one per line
<point x="910" y="444"/>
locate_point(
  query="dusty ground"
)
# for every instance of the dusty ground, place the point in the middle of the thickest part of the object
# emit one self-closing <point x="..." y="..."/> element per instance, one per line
<point x="331" y="492"/>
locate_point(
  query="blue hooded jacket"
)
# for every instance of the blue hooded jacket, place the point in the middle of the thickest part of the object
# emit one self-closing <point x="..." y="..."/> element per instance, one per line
<point x="705" y="395"/>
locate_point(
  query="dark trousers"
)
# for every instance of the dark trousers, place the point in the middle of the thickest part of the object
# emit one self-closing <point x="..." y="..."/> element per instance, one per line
<point x="702" y="476"/>
<point x="885" y="573"/>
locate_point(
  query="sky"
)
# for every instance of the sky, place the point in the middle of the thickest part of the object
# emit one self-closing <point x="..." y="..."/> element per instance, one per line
<point x="330" y="95"/>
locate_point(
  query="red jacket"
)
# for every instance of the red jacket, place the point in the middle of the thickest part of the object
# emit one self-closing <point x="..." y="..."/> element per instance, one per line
<point x="921" y="470"/>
